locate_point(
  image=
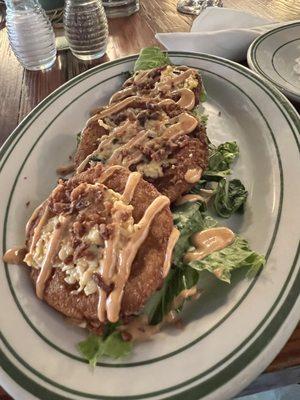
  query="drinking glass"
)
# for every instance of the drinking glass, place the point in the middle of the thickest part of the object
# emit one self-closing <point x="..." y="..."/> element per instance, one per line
<point x="120" y="8"/>
<point x="196" y="6"/>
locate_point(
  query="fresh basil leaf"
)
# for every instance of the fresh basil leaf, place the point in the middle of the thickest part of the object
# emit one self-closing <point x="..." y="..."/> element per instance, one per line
<point x="223" y="262"/>
<point x="230" y="197"/>
<point x="151" y="57"/>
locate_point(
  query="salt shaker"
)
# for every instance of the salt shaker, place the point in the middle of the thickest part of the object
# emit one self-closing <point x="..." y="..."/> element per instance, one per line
<point x="86" y="28"/>
<point x="30" y="34"/>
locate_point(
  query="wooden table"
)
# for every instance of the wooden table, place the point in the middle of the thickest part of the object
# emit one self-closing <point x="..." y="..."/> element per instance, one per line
<point x="22" y="90"/>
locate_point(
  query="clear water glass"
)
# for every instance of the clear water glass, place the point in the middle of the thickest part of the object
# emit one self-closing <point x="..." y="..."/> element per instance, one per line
<point x="120" y="8"/>
<point x="86" y="28"/>
<point x="30" y="34"/>
<point x="196" y="6"/>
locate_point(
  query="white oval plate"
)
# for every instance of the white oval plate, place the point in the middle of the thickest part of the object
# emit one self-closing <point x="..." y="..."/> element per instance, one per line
<point x="233" y="332"/>
<point x="276" y="56"/>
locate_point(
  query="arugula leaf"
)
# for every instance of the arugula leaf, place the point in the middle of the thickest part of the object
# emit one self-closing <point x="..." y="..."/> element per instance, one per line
<point x="110" y="328"/>
<point x="220" y="160"/>
<point x="238" y="255"/>
<point x="95" y="347"/>
<point x="116" y="347"/>
<point x="209" y="222"/>
<point x="215" y="176"/>
<point x="199" y="113"/>
<point x="187" y="219"/>
<point x="151" y="57"/>
<point x="223" y="156"/>
<point x="177" y="280"/>
<point x="230" y="197"/>
<point x="198" y="186"/>
<point x="203" y="94"/>
<point x="91" y="349"/>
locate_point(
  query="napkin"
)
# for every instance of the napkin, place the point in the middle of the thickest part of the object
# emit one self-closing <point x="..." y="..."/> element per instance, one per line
<point x="220" y="31"/>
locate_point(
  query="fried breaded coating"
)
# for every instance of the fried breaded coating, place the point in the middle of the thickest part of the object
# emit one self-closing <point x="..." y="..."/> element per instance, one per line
<point x="146" y="274"/>
<point x="144" y="124"/>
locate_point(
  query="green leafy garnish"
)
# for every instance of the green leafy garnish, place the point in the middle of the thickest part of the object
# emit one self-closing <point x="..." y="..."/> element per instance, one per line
<point x="116" y="347"/>
<point x="220" y="160"/>
<point x="162" y="302"/>
<point x="203" y="94"/>
<point x="96" y="347"/>
<point x="238" y="255"/>
<point x="91" y="349"/>
<point x="188" y="220"/>
<point x="199" y="113"/>
<point x="230" y="197"/>
<point x="151" y="57"/>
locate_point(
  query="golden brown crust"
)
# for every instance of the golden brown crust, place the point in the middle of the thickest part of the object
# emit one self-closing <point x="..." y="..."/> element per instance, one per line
<point x="148" y="85"/>
<point x="89" y="140"/>
<point x="191" y="153"/>
<point x="147" y="268"/>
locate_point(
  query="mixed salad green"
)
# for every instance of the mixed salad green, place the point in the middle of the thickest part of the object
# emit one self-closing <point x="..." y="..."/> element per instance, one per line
<point x="228" y="197"/>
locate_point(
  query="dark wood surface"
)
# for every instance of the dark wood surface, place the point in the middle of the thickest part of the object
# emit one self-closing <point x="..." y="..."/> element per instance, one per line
<point x="22" y="90"/>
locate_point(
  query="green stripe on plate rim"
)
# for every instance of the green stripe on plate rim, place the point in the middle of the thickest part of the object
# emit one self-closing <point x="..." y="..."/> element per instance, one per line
<point x="273" y="64"/>
<point x="193" y="393"/>
<point x="279" y="100"/>
<point x="253" y="49"/>
<point x="126" y="365"/>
